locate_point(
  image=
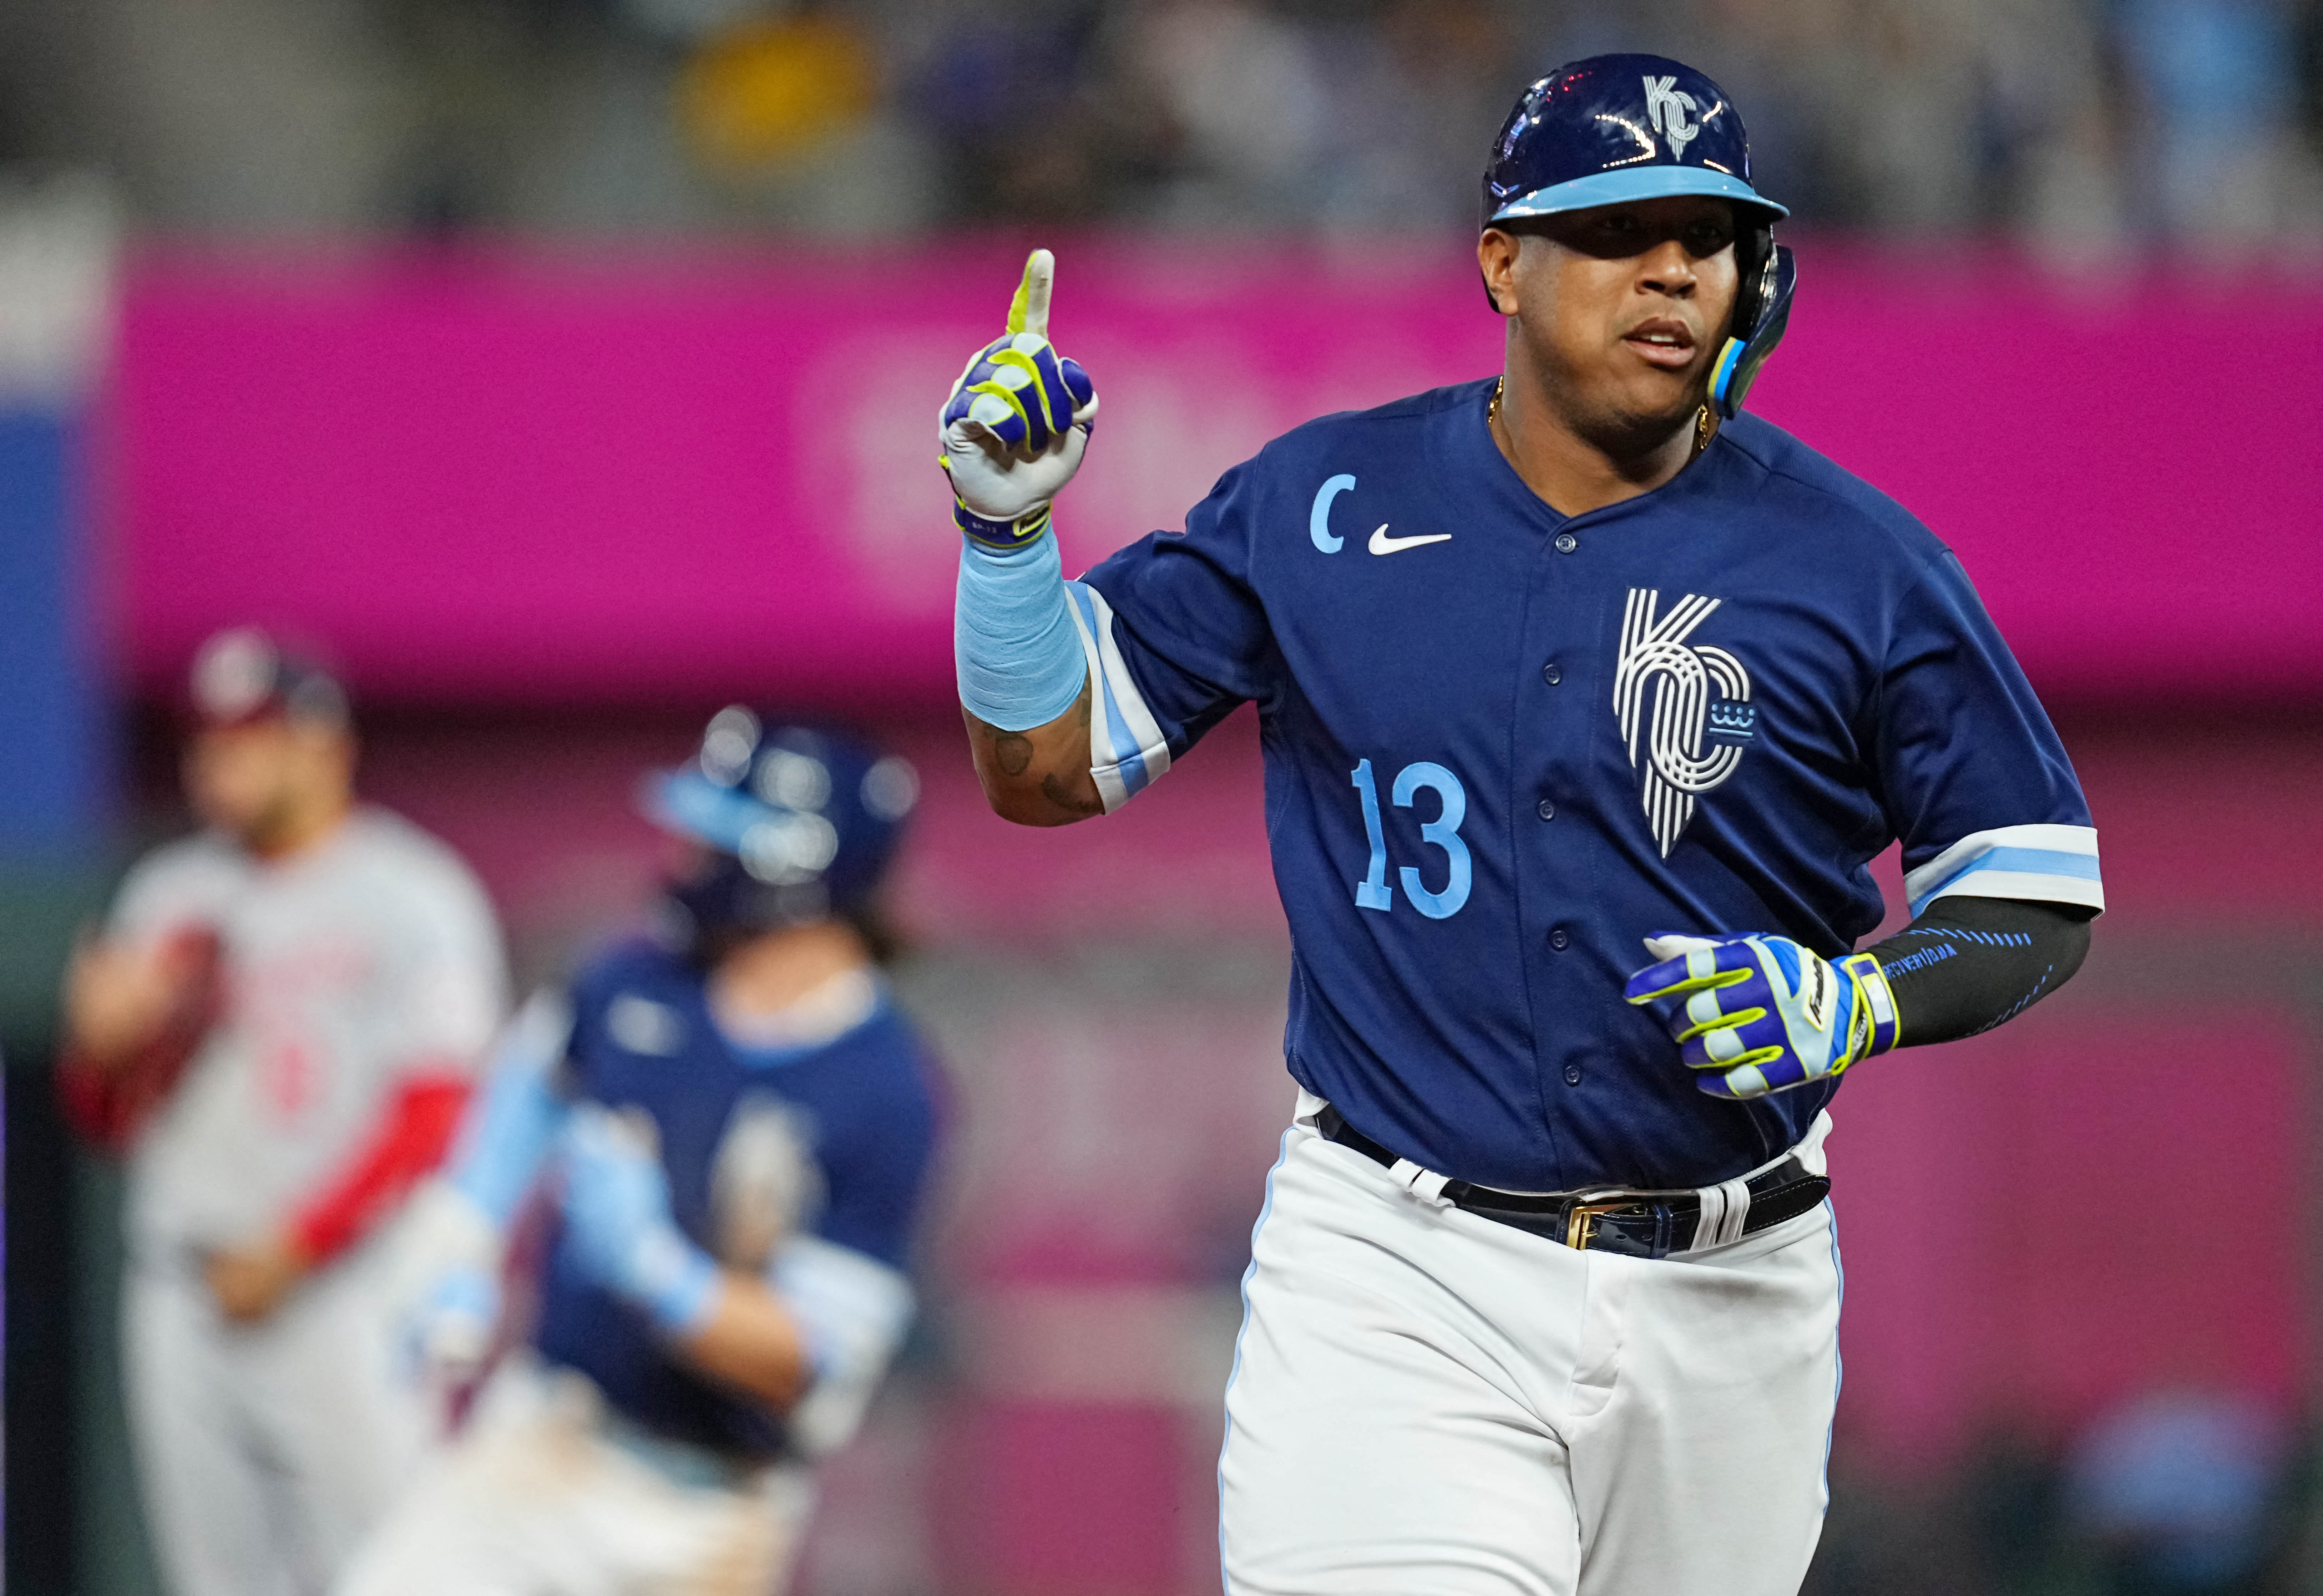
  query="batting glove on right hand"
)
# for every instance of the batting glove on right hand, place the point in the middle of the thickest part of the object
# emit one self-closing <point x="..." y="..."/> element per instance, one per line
<point x="618" y="1225"/>
<point x="1014" y="431"/>
<point x="1762" y="1014"/>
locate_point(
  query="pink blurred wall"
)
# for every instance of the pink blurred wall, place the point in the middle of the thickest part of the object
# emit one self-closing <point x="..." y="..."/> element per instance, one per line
<point x="524" y="476"/>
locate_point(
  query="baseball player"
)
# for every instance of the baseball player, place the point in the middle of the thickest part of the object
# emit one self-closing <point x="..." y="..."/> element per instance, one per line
<point x="733" y="1121"/>
<point x="1586" y="699"/>
<point x="278" y="1027"/>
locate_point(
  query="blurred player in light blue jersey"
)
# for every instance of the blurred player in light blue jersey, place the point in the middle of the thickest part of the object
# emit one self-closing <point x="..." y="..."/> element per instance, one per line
<point x="732" y="1123"/>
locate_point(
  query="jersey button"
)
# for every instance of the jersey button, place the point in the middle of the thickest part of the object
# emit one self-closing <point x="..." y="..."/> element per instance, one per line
<point x="1545" y="809"/>
<point x="1566" y="543"/>
<point x="1559" y="939"/>
<point x="1573" y="1075"/>
<point x="1552" y="673"/>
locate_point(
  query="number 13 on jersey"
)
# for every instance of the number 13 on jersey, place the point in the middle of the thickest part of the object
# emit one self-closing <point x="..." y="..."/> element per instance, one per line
<point x="1444" y="832"/>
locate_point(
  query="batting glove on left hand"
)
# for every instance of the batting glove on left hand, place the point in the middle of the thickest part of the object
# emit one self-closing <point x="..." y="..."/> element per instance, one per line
<point x="1760" y="1014"/>
<point x="1014" y="431"/>
<point x="618" y="1223"/>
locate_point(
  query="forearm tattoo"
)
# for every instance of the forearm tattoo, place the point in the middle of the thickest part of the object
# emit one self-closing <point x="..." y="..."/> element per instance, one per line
<point x="1054" y="788"/>
<point x="1013" y="756"/>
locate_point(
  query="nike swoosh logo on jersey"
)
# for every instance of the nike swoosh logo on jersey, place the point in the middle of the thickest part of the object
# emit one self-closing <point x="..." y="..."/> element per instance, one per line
<point x="1382" y="543"/>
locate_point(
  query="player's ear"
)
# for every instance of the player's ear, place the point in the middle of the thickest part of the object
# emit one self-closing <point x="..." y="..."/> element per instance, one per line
<point x="1496" y="255"/>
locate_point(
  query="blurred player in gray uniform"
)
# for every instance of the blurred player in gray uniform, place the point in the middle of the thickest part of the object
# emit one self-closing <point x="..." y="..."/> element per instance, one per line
<point x="277" y="1027"/>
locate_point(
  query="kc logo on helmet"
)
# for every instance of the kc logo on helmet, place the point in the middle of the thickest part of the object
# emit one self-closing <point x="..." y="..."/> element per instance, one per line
<point x="1666" y="107"/>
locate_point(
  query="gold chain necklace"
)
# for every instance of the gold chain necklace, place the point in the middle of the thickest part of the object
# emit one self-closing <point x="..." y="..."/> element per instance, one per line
<point x="1705" y="427"/>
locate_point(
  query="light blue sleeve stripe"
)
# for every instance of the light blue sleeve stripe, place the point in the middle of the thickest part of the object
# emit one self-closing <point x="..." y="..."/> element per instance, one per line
<point x="2029" y="861"/>
<point x="1132" y="765"/>
<point x="2019" y="884"/>
<point x="2039" y="861"/>
<point x="1108" y="718"/>
<point x="2034" y="874"/>
<point x="1134" y="777"/>
<point x="1121" y="749"/>
<point x="1127" y="750"/>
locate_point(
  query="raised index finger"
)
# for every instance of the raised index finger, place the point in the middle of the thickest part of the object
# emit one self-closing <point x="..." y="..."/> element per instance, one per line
<point x="1029" y="311"/>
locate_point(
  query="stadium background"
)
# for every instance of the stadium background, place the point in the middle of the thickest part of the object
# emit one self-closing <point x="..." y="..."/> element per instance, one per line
<point x="562" y="369"/>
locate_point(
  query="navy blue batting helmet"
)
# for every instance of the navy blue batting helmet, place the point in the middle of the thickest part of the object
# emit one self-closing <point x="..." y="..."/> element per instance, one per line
<point x="1616" y="129"/>
<point x="802" y="822"/>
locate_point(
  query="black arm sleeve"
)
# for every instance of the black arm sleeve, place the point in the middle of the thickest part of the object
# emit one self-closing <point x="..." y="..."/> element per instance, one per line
<point x="1968" y="964"/>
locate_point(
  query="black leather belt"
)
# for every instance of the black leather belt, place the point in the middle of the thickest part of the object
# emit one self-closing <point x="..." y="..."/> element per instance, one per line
<point x="1633" y="1223"/>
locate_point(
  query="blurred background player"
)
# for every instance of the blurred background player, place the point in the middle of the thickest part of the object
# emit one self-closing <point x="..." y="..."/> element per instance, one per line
<point x="732" y="1121"/>
<point x="277" y="1027"/>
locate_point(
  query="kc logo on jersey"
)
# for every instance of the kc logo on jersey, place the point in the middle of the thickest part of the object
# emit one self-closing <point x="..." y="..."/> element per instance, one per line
<point x="1686" y="710"/>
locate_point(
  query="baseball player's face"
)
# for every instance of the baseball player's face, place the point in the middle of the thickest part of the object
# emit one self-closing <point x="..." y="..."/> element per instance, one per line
<point x="1623" y="308"/>
<point x="266" y="781"/>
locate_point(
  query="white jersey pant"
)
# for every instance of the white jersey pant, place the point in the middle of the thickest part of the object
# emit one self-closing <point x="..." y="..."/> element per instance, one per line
<point x="1428" y="1400"/>
<point x="266" y="1452"/>
<point x="541" y="1497"/>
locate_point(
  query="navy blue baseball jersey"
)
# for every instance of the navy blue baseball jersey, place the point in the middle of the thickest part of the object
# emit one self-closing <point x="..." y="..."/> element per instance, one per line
<point x="861" y="1106"/>
<point x="1502" y="745"/>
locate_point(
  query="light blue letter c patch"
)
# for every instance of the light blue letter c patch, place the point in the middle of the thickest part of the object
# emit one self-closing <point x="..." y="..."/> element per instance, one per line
<point x="1319" y="521"/>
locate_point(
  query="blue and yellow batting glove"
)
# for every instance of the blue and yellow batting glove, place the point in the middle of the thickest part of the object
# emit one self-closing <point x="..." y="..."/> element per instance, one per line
<point x="1018" y="420"/>
<point x="1760" y="1014"/>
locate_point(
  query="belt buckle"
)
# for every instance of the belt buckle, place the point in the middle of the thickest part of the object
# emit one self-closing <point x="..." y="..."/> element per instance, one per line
<point x="1581" y="1218"/>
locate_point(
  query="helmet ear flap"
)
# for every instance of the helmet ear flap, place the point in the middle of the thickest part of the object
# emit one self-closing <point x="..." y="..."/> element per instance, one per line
<point x="1754" y="251"/>
<point x="1766" y="296"/>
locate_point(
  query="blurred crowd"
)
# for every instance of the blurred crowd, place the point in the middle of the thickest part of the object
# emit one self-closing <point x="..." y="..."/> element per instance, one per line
<point x="2085" y="127"/>
<point x="2182" y="1492"/>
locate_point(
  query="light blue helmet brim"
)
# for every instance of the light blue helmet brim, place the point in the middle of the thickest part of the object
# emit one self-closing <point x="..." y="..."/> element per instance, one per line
<point x="1624" y="188"/>
<point x="690" y="805"/>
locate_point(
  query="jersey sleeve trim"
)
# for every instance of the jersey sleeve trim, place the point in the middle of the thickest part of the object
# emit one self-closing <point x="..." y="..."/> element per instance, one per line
<point x="1127" y="750"/>
<point x="2042" y="863"/>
